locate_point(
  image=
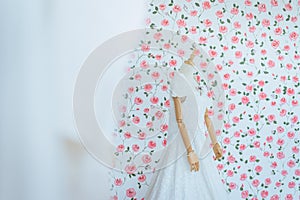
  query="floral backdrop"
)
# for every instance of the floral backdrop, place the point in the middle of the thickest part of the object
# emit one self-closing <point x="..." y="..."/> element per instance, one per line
<point x="254" y="46"/>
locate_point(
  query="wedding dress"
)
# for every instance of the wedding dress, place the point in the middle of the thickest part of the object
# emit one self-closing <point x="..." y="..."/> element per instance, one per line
<point x="175" y="181"/>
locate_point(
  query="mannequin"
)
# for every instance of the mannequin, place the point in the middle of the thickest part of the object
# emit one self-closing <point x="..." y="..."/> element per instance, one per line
<point x="185" y="179"/>
<point x="192" y="157"/>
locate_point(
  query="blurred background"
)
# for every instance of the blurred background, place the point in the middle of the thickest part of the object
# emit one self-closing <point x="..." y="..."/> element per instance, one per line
<point x="42" y="46"/>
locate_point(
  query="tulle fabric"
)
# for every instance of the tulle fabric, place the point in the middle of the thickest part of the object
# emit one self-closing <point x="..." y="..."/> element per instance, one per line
<point x="176" y="181"/>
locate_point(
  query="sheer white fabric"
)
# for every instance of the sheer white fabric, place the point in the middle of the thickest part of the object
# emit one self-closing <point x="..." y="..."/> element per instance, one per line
<point x="176" y="181"/>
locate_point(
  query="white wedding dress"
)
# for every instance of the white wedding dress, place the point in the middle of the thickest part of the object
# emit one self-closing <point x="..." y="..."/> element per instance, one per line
<point x="176" y="181"/>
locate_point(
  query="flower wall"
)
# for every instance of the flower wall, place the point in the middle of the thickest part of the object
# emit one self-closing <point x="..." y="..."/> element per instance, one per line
<point x="255" y="48"/>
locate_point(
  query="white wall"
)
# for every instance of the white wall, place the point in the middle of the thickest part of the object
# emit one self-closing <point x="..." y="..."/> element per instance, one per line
<point x="43" y="44"/>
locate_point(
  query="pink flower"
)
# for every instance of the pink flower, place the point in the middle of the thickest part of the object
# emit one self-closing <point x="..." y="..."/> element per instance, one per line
<point x="256" y="117"/>
<point x="249" y="44"/>
<point x="193" y="30"/>
<point x="136" y="120"/>
<point x="294" y="119"/>
<point x="159" y="114"/>
<point x="279" y="17"/>
<point x="291" y="163"/>
<point x="294" y="102"/>
<point x="231" y="106"/>
<point x="255" y="182"/>
<point x="223" y="29"/>
<point x="245" y="100"/>
<point x="291" y="184"/>
<point x="137" y="77"/>
<point x="278" y="31"/>
<point x="297" y="172"/>
<point x="164" y="88"/>
<point x="280" y="142"/>
<point x="262" y="96"/>
<point x="130" y="169"/>
<point x="249" y="16"/>
<point x="264" y="193"/>
<point x="252" y="158"/>
<point x="289" y="197"/>
<point x="234" y="11"/>
<point x="243" y="177"/>
<point x="127" y="135"/>
<point x="283" y="112"/>
<point x="206" y="5"/>
<point x="226" y="140"/>
<point x="237" y="25"/>
<point x="274" y="2"/>
<point x="266" y="154"/>
<point x="207" y="23"/>
<point x="122" y="123"/>
<point x="176" y="8"/>
<point x="167" y="103"/>
<point x="295" y="149"/>
<point x="202" y="40"/>
<point x="157" y="36"/>
<point x="220" y="166"/>
<point x="262" y="7"/>
<point x="290" y="91"/>
<point x="242" y="147"/>
<point x="138" y="100"/>
<point x="258" y="168"/>
<point x="268" y="181"/>
<point x="275" y="43"/>
<point x="130" y="192"/>
<point x="252" y="132"/>
<point x="135" y="147"/>
<point x="151" y="144"/>
<point x="238" y="54"/>
<point x="232" y="92"/>
<point x="142" y="178"/>
<point x="144" y="64"/>
<point x="230" y="173"/>
<point x="164" y="142"/>
<point x="288" y="7"/>
<point x="271" y="118"/>
<point x="219" y="14"/>
<point x="231" y="159"/>
<point x="162" y="6"/>
<point x="269" y="139"/>
<point x="232" y="186"/>
<point x="234" y="39"/>
<point x="173" y="62"/>
<point x="154" y="100"/>
<point x="194" y="13"/>
<point x="120" y="148"/>
<point x="149" y="124"/>
<point x="245" y="194"/>
<point x="256" y="144"/>
<point x="155" y="75"/>
<point x="165" y="22"/>
<point x="280" y="155"/>
<point x="146" y="159"/>
<point x="142" y="135"/>
<point x="181" y="23"/>
<point x="118" y="181"/>
<point x="148" y="87"/>
<point x="145" y="47"/>
<point x="271" y="63"/>
<point x="275" y="197"/>
<point x="212" y="53"/>
<point x="235" y="119"/>
<point x="273" y="165"/>
<point x="164" y="127"/>
<point x="283" y="100"/>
